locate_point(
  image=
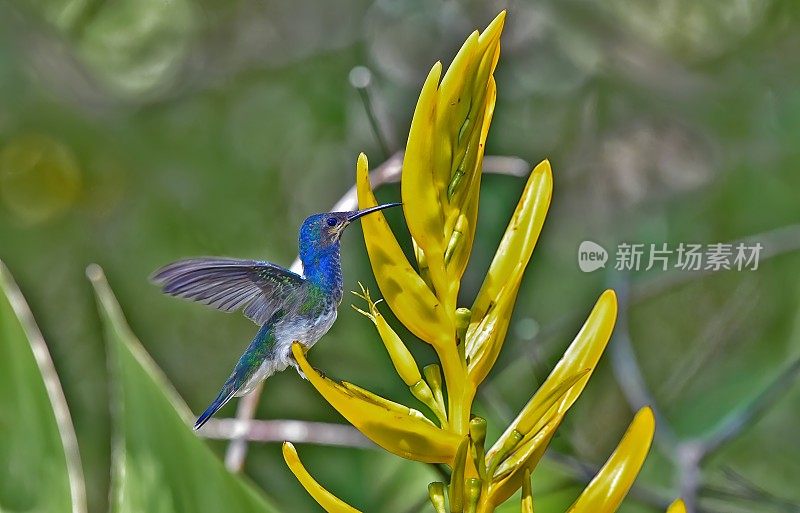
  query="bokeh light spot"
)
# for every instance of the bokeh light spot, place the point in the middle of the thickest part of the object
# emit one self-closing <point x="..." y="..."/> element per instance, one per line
<point x="39" y="177"/>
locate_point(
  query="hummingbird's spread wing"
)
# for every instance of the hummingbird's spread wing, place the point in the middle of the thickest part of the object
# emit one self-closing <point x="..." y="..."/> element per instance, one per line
<point x="260" y="288"/>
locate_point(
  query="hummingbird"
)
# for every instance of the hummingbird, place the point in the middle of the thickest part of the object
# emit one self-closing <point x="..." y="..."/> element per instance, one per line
<point x="287" y="306"/>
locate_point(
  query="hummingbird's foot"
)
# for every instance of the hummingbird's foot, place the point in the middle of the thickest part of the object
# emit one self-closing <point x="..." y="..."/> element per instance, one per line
<point x="296" y="366"/>
<point x="303" y="374"/>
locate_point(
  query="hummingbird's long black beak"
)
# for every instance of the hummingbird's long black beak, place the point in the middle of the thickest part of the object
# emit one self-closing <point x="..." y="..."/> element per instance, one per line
<point x="359" y="213"/>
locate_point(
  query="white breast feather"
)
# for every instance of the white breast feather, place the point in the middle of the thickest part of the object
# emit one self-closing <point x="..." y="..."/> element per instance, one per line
<point x="304" y="331"/>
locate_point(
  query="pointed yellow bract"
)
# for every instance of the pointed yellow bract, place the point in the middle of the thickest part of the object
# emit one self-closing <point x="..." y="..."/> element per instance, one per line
<point x="677" y="507"/>
<point x="440" y="188"/>
<point x="491" y="311"/>
<point x="404" y="291"/>
<point x="606" y="491"/>
<point x="398" y="429"/>
<point x="418" y="191"/>
<point x="581" y="356"/>
<point x="326" y="499"/>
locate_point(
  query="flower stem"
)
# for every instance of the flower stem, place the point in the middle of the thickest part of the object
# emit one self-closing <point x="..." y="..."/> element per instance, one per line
<point x="454" y="369"/>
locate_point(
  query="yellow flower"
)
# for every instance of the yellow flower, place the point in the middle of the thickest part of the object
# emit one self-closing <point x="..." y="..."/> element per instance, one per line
<point x="439" y="187"/>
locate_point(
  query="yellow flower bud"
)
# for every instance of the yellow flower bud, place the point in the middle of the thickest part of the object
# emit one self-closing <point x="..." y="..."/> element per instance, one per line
<point x="437" y="496"/>
<point x="401" y="357"/>
<point x="477" y="432"/>
<point x="433" y="375"/>
<point x="457" y="477"/>
<point x="472" y="493"/>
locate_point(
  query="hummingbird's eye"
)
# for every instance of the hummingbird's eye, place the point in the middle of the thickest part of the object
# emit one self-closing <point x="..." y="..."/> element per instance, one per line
<point x="332" y="221"/>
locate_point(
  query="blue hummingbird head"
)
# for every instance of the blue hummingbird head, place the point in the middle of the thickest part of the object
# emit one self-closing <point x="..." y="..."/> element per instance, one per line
<point x="321" y="232"/>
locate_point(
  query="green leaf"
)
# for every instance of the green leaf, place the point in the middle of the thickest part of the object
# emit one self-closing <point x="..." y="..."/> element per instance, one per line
<point x="159" y="464"/>
<point x="40" y="468"/>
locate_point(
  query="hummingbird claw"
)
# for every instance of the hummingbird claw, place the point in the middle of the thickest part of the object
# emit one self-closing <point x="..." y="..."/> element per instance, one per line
<point x="293" y="363"/>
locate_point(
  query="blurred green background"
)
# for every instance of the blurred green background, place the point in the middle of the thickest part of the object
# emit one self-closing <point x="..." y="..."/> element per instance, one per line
<point x="134" y="133"/>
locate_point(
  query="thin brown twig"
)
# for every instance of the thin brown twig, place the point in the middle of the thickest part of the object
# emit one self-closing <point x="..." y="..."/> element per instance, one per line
<point x="295" y="431"/>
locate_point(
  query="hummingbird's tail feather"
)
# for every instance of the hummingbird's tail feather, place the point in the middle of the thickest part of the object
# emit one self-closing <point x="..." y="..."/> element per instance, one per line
<point x="256" y="364"/>
<point x="225" y="395"/>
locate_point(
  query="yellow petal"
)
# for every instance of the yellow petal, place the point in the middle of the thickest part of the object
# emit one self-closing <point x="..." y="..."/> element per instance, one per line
<point x="677" y="507"/>
<point x="326" y="499"/>
<point x="491" y="311"/>
<point x="398" y="429"/>
<point x="522" y="451"/>
<point x="404" y="291"/>
<point x="606" y="491"/>
<point x="581" y="356"/>
<point x="421" y="206"/>
<point x="362" y="393"/>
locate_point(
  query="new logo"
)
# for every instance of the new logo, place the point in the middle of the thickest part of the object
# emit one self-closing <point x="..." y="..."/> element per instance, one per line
<point x="591" y="256"/>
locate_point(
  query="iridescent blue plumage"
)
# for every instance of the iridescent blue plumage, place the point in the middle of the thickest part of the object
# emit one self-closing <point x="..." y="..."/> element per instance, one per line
<point x="285" y="305"/>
